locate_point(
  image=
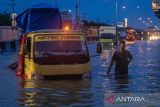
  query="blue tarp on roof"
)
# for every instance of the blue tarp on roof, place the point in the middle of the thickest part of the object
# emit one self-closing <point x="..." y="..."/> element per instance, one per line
<point x="42" y="5"/>
<point x="39" y="17"/>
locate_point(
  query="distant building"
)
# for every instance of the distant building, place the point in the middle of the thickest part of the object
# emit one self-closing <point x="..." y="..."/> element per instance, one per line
<point x="91" y="28"/>
<point x="156" y="7"/>
<point x="7" y="33"/>
<point x="121" y="24"/>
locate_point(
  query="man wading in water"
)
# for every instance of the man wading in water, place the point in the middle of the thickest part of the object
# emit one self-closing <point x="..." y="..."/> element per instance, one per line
<point x="121" y="58"/>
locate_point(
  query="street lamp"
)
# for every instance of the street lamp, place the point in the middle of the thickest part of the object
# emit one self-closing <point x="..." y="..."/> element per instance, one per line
<point x="124" y="7"/>
<point x="149" y="21"/>
<point x="140" y="18"/>
<point x="148" y="18"/>
<point x="69" y="11"/>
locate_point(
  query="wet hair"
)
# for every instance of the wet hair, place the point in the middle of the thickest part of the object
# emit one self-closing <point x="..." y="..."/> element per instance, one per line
<point x="122" y="42"/>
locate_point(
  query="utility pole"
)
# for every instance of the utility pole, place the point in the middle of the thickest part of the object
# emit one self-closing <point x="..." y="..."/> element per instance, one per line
<point x="56" y="4"/>
<point x="13" y="5"/>
<point x="97" y="20"/>
<point x="116" y="8"/>
<point x="14" y="15"/>
<point x="84" y="16"/>
<point x="98" y="28"/>
<point x="116" y="37"/>
<point x="78" y="14"/>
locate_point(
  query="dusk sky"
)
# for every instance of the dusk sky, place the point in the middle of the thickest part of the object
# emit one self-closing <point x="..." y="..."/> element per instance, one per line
<point x="103" y="10"/>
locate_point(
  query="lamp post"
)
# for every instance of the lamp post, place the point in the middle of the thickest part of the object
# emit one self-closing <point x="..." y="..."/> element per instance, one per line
<point x="116" y="8"/>
<point x="116" y="37"/>
<point x="140" y="19"/>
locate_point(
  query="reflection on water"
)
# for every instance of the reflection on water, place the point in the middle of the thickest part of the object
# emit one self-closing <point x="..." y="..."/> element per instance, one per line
<point x="52" y="93"/>
<point x="106" y="55"/>
<point x="144" y="77"/>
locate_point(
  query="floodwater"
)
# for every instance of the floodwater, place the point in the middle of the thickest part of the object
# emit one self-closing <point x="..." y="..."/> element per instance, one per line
<point x="144" y="77"/>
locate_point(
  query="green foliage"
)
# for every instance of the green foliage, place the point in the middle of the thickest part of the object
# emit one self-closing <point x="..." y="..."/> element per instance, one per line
<point x="5" y="19"/>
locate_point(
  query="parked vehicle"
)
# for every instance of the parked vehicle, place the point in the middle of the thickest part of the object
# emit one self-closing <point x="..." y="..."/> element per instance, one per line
<point x="131" y="35"/>
<point x="107" y="34"/>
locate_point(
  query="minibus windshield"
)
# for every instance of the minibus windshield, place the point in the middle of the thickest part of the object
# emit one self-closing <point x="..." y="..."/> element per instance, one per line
<point x="51" y="48"/>
<point x="107" y="36"/>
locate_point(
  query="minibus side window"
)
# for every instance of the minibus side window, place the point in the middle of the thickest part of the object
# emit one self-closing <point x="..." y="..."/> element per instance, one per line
<point x="29" y="46"/>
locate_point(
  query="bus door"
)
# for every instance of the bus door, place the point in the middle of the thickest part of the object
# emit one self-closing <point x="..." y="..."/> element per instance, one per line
<point x="28" y="58"/>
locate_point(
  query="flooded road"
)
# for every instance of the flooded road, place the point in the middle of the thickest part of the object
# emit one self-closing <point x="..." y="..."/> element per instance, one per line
<point x="144" y="77"/>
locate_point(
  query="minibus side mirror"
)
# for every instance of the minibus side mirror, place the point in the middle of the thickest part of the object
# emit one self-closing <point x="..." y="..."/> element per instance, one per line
<point x="99" y="48"/>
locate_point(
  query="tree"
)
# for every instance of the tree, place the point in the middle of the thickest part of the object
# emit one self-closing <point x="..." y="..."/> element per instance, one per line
<point x="157" y="13"/>
<point x="5" y="19"/>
